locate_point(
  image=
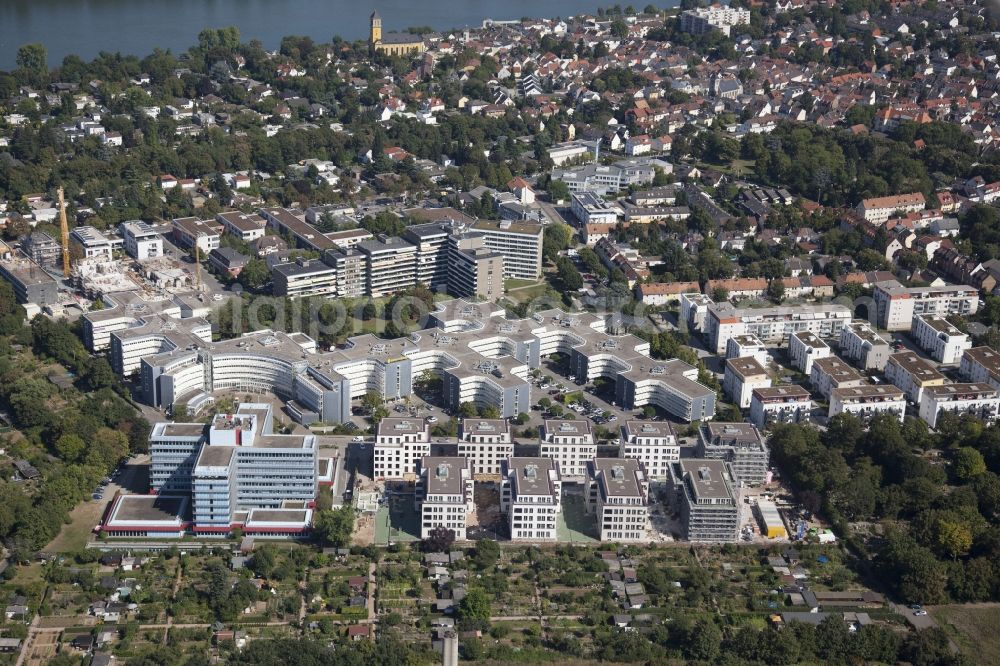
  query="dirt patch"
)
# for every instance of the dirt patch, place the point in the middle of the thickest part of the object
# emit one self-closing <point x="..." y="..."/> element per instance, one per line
<point x="974" y="628"/>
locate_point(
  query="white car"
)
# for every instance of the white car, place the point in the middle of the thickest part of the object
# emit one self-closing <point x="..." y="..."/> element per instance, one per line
<point x="432" y="419"/>
<point x="359" y="438"/>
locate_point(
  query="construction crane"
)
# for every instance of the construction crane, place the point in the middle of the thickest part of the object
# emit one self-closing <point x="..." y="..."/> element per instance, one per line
<point x="64" y="228"/>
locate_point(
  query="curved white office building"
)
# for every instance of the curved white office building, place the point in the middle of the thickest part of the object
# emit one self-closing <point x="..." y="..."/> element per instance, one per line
<point x="481" y="356"/>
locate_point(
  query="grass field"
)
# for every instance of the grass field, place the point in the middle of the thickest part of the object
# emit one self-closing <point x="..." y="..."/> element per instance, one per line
<point x="74" y="535"/>
<point x="974" y="628"/>
<point x="521" y="291"/>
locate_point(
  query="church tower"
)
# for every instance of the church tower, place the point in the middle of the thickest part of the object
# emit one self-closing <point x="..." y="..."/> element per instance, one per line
<point x="376" y="28"/>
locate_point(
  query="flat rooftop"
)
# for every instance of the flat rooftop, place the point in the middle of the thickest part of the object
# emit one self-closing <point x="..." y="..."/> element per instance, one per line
<point x="633" y="428"/>
<point x="394" y="427"/>
<point x="730" y="432"/>
<point x="782" y="393"/>
<point x="181" y="430"/>
<point x="810" y="340"/>
<point x="619" y="477"/>
<point x="940" y="324"/>
<point x="868" y="393"/>
<point x="709" y="477"/>
<point x="485" y="427"/>
<point x="445" y="474"/>
<point x="919" y="369"/>
<point x="746" y="366"/>
<point x="863" y="330"/>
<point x="531" y="475"/>
<point x="987" y="357"/>
<point x="566" y="427"/>
<point x="962" y="391"/>
<point x="836" y="368"/>
<point x="215" y="456"/>
<point x="150" y="509"/>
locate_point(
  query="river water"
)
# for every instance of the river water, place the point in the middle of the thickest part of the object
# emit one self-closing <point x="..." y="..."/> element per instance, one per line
<point x="87" y="27"/>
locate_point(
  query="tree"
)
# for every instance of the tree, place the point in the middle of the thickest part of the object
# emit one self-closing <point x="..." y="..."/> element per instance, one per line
<point x="968" y="464"/>
<point x="555" y="239"/>
<point x="776" y="290"/>
<point x="254" y="274"/>
<point x="558" y="190"/>
<point x="619" y="29"/>
<point x="569" y="278"/>
<point x="70" y="447"/>
<point x="487" y="554"/>
<point x="334" y="527"/>
<point x="474" y="610"/>
<point x="32" y="60"/>
<point x="703" y="641"/>
<point x="954" y="538"/>
<point x="439" y="540"/>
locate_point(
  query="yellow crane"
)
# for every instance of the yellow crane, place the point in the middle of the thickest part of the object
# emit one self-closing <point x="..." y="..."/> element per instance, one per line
<point x="64" y="228"/>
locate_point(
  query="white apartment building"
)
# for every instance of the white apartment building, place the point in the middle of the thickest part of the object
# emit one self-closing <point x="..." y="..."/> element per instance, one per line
<point x="190" y="232"/>
<point x="246" y="227"/>
<point x="652" y="443"/>
<point x="391" y="265"/>
<point x="743" y="375"/>
<point x="694" y="309"/>
<point x="751" y="346"/>
<point x="880" y="209"/>
<point x="804" y="348"/>
<point x="868" y="400"/>
<point x="861" y="344"/>
<point x="531" y="496"/>
<point x="618" y="493"/>
<point x="520" y="243"/>
<point x="592" y="209"/>
<point x="912" y="374"/>
<point x="486" y="443"/>
<point x="773" y="324"/>
<point x="304" y="277"/>
<point x="140" y="240"/>
<point x="779" y="404"/>
<point x="898" y="305"/>
<point x="940" y="338"/>
<point x="830" y="373"/>
<point x="400" y="444"/>
<point x="444" y="495"/>
<point x="723" y="18"/>
<point x="570" y="443"/>
<point x="981" y="365"/>
<point x="561" y="153"/>
<point x="979" y="400"/>
<point x="92" y="244"/>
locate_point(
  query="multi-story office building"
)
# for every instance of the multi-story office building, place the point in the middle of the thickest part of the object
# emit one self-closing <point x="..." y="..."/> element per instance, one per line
<point x="867" y="401"/>
<point x="774" y="324"/>
<point x="592" y="209"/>
<point x="981" y="365"/>
<point x="531" y="496"/>
<point x="708" y="499"/>
<point x="604" y="179"/>
<point x="880" y="209"/>
<point x="140" y="240"/>
<point x="742" y="376"/>
<point x="486" y="443"/>
<point x="248" y="227"/>
<point x="400" y="444"/>
<point x="980" y="401"/>
<point x="652" y="443"/>
<point x="520" y="243"/>
<point x="236" y="472"/>
<point x="898" y="305"/>
<point x="391" y="265"/>
<point x="739" y="444"/>
<point x="30" y="282"/>
<point x="830" y="373"/>
<point x="571" y="443"/>
<point x="480" y="356"/>
<point x="804" y="348"/>
<point x="444" y="495"/>
<point x="474" y="269"/>
<point x="940" y="338"/>
<point x="190" y="232"/>
<point x="744" y="346"/>
<point x="779" y="404"/>
<point x="303" y="278"/>
<point x="912" y="374"/>
<point x="861" y="344"/>
<point x="618" y="494"/>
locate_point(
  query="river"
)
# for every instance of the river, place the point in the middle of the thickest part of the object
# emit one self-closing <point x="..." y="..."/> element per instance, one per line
<point x="87" y="27"/>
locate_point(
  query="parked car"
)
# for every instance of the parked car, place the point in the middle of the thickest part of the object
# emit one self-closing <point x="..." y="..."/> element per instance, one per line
<point x="432" y="419"/>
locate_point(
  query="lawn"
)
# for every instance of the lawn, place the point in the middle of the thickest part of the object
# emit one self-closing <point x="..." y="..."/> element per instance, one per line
<point x="974" y="628"/>
<point x="521" y="291"/>
<point x="572" y="523"/>
<point x="73" y="536"/>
